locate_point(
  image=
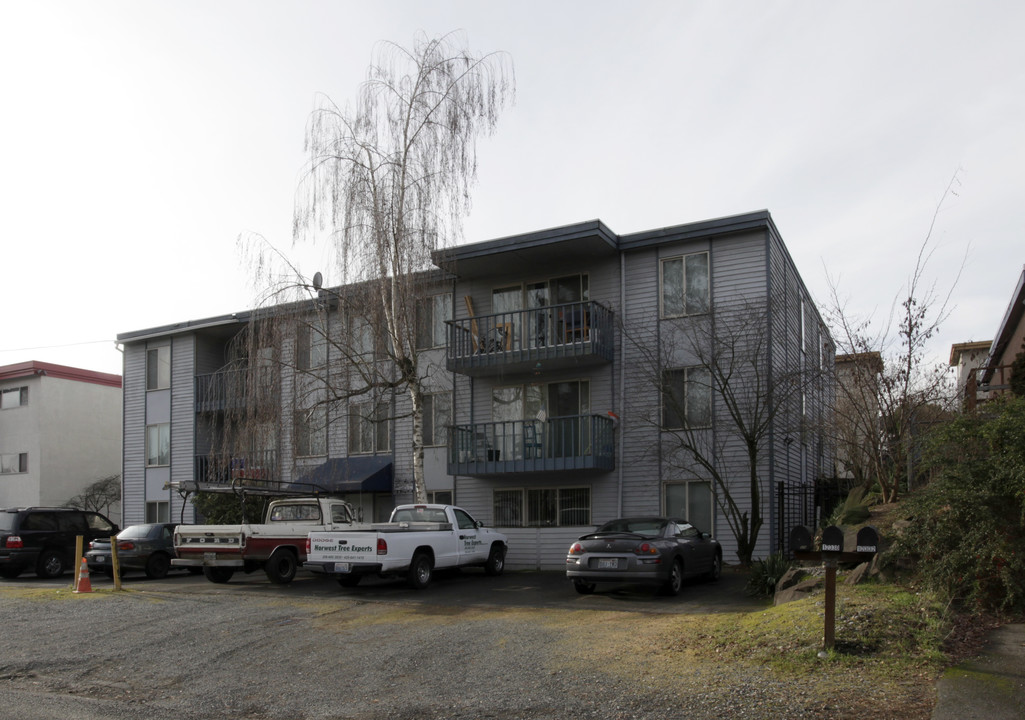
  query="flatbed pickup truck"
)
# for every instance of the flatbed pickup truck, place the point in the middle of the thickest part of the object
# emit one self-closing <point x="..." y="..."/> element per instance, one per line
<point x="277" y="546"/>
<point x="417" y="540"/>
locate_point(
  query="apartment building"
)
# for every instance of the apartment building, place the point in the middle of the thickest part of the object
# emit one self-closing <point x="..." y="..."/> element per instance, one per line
<point x="60" y="431"/>
<point x="573" y="375"/>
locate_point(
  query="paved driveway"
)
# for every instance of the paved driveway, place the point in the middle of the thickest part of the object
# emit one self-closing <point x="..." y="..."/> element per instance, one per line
<point x="470" y="587"/>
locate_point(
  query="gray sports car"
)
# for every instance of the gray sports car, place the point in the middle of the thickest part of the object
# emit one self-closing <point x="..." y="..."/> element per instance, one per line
<point x="653" y="550"/>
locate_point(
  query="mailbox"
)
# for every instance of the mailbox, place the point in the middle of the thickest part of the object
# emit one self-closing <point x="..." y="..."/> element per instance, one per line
<point x="832" y="539"/>
<point x="801" y="539"/>
<point x="868" y="540"/>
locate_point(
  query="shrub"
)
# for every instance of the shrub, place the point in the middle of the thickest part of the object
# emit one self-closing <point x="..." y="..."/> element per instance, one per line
<point x="967" y="536"/>
<point x="765" y="574"/>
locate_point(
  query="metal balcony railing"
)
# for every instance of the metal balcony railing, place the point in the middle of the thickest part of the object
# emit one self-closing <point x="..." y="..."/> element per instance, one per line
<point x="553" y="335"/>
<point x="230" y="390"/>
<point x="253" y="467"/>
<point x="574" y="442"/>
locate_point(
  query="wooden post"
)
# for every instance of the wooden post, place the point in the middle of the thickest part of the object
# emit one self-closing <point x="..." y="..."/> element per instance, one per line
<point x="830" y="629"/>
<point x="78" y="560"/>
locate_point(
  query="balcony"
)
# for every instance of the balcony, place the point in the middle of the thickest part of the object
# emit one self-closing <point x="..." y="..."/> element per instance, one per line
<point x="253" y="467"/>
<point x="552" y="337"/>
<point x="229" y="390"/>
<point x="574" y="442"/>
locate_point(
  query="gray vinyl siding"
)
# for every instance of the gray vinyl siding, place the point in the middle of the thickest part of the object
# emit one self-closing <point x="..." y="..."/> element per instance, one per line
<point x="183" y="421"/>
<point x="134" y="444"/>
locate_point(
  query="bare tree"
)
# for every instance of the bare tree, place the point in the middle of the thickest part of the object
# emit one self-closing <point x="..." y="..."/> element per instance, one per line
<point x="98" y="496"/>
<point x="891" y="389"/>
<point x="390" y="178"/>
<point x="724" y="399"/>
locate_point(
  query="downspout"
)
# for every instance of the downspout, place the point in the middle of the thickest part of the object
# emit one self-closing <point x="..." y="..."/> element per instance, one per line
<point x="622" y="381"/>
<point x="773" y="529"/>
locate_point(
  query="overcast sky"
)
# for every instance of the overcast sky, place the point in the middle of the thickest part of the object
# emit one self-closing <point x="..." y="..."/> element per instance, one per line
<point x="139" y="139"/>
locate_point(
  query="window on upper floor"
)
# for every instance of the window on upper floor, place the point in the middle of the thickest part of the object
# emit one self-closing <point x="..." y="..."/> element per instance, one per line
<point x="311" y="344"/>
<point x="13" y="397"/>
<point x="431" y="321"/>
<point x="369" y="428"/>
<point x="686" y="398"/>
<point x="684" y="285"/>
<point x="437" y="418"/>
<point x="158" y="368"/>
<point x="158" y="445"/>
<point x="12" y="463"/>
<point x="311" y="432"/>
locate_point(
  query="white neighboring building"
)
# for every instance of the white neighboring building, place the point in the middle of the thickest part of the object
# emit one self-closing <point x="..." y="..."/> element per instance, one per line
<point x="60" y="431"/>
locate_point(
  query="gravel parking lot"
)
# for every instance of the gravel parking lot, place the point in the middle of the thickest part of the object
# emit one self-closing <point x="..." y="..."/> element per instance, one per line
<point x="520" y="646"/>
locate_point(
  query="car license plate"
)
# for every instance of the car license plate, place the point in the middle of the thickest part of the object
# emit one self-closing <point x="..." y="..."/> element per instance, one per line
<point x="608" y="563"/>
<point x="210" y="557"/>
<point x="342" y="567"/>
<point x="101" y="558"/>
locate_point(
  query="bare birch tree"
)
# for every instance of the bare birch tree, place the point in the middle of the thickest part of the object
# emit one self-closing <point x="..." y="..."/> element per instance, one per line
<point x="391" y="178"/>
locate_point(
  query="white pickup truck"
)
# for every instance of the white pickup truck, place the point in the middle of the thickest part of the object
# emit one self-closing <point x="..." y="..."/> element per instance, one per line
<point x="417" y="540"/>
<point x="278" y="546"/>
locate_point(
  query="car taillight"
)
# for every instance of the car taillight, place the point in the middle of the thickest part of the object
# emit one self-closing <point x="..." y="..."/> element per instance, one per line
<point x="126" y="546"/>
<point x="576" y="549"/>
<point x="382" y="546"/>
<point x="242" y="542"/>
<point x="646" y="549"/>
<point x="308" y="546"/>
<point x="92" y="545"/>
<point x="14" y="542"/>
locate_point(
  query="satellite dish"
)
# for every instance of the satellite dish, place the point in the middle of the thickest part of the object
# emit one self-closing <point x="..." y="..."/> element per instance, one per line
<point x="318" y="281"/>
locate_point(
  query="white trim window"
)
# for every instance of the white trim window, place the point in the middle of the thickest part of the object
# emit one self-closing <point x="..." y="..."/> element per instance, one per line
<point x="686" y="398"/>
<point x="13" y="397"/>
<point x="691" y="500"/>
<point x="437" y="418"/>
<point x="158" y="368"/>
<point x="684" y="284"/>
<point x="311" y="432"/>
<point x="311" y="344"/>
<point x="431" y="322"/>
<point x="542" y="507"/>
<point x="13" y="463"/>
<point x="158" y="445"/>
<point x="369" y="428"/>
<point x="158" y="511"/>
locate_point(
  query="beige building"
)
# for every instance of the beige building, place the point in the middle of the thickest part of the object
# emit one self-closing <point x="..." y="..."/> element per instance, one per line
<point x="60" y="431"/>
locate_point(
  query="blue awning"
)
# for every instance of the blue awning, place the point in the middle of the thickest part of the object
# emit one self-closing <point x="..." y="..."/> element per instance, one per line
<point x="365" y="473"/>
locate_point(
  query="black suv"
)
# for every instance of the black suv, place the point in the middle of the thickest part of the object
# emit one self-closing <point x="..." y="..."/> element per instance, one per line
<point x="43" y="539"/>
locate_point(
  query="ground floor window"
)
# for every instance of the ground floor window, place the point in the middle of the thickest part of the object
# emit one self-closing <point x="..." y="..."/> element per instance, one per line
<point x="542" y="507"/>
<point x="158" y="511"/>
<point x="440" y="497"/>
<point x="11" y="463"/>
<point x="691" y="501"/>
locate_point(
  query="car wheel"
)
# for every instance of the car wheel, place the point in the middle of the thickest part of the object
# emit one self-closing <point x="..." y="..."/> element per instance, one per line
<point x="218" y="575"/>
<point x="10" y="573"/>
<point x="157" y="566"/>
<point x="716" y="570"/>
<point x="420" y="571"/>
<point x="496" y="561"/>
<point x="281" y="567"/>
<point x="349" y="581"/>
<point x="584" y="588"/>
<point x="675" y="581"/>
<point x="50" y="564"/>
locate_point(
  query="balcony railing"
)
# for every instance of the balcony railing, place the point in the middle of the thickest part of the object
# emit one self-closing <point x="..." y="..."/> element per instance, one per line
<point x="229" y="390"/>
<point x="252" y="467"/>
<point x="552" y="336"/>
<point x="574" y="442"/>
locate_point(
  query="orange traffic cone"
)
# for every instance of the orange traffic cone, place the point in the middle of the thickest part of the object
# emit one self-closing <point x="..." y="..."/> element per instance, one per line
<point x="84" y="586"/>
